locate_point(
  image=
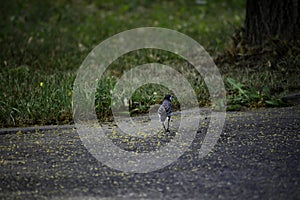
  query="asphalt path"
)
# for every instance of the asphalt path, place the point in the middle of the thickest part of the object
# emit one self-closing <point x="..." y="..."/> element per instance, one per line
<point x="256" y="157"/>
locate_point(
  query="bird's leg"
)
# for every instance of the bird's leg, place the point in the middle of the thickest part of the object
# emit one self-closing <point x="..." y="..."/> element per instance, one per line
<point x="168" y="124"/>
<point x="163" y="123"/>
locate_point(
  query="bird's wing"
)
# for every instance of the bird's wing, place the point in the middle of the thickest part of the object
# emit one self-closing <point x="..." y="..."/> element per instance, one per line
<point x="162" y="113"/>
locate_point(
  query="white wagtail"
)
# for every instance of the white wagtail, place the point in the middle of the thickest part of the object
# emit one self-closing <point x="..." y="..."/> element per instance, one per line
<point x="165" y="111"/>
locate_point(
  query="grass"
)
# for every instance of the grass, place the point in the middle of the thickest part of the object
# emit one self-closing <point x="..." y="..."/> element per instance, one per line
<point x="34" y="97"/>
<point x="44" y="42"/>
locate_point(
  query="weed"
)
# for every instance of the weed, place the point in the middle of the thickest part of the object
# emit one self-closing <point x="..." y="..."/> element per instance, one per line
<point x="240" y="95"/>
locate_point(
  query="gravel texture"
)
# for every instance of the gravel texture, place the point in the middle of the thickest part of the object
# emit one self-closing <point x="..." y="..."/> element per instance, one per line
<point x="256" y="157"/>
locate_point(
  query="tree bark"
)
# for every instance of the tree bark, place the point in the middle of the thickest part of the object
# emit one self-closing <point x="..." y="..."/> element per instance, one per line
<point x="267" y="19"/>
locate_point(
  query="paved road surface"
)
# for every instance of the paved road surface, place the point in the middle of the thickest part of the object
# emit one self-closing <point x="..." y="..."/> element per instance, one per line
<point x="256" y="157"/>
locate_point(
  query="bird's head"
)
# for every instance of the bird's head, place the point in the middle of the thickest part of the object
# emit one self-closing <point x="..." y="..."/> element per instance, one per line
<point x="168" y="97"/>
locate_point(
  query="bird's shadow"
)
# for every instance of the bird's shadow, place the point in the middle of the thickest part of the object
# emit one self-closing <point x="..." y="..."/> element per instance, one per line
<point x="168" y="133"/>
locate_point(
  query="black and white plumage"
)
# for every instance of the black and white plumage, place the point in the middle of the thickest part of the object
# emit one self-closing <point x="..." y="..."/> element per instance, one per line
<point x="165" y="111"/>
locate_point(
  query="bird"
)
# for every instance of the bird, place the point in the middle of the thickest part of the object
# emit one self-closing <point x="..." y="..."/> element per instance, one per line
<point x="165" y="111"/>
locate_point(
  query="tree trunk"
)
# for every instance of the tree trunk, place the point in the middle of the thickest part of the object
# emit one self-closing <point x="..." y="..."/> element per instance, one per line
<point x="266" y="19"/>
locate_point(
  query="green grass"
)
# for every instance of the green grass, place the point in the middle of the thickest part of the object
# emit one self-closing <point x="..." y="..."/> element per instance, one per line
<point x="43" y="44"/>
<point x="34" y="97"/>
